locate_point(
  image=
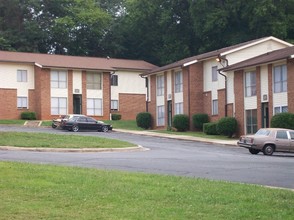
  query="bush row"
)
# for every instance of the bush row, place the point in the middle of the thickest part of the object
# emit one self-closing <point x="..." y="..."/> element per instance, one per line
<point x="28" y="116"/>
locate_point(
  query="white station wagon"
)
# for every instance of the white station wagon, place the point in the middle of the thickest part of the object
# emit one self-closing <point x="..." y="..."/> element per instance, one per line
<point x="269" y="140"/>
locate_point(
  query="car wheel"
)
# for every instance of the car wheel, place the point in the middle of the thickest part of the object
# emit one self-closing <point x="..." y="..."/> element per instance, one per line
<point x="254" y="151"/>
<point x="268" y="150"/>
<point x="75" y="128"/>
<point x="104" y="128"/>
<point x="53" y="125"/>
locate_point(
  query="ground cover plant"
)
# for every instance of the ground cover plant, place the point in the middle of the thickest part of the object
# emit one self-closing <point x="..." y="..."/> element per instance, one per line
<point x="12" y="122"/>
<point x="54" y="192"/>
<point x="24" y="139"/>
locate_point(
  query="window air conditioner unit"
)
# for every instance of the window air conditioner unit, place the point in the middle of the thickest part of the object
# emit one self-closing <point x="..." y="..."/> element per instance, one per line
<point x="77" y="91"/>
<point x="169" y="96"/>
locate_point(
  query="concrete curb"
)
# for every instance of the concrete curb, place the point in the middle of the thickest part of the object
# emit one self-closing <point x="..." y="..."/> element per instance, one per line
<point x="77" y="150"/>
<point x="180" y="137"/>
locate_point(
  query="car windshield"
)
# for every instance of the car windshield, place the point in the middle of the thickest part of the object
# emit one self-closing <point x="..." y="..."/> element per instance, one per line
<point x="263" y="132"/>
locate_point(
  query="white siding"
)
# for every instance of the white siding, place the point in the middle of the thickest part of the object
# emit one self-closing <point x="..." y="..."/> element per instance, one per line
<point x="280" y="99"/>
<point x="230" y="88"/>
<point x="207" y="77"/>
<point x="8" y="76"/>
<point x="160" y="100"/>
<point x="264" y="82"/>
<point x="253" y="51"/>
<point x="77" y="82"/>
<point x="95" y="94"/>
<point x="250" y="102"/>
<point x="169" y="84"/>
<point x="179" y="97"/>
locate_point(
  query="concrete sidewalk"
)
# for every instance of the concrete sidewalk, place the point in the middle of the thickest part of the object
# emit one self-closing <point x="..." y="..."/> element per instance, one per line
<point x="180" y="137"/>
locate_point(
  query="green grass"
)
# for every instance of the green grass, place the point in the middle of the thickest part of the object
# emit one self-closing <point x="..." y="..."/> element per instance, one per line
<point x="124" y="124"/>
<point x="52" y="192"/>
<point x="12" y="122"/>
<point x="46" y="123"/>
<point x="23" y="139"/>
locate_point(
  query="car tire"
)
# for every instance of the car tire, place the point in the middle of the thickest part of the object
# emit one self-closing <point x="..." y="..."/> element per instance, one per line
<point x="75" y="128"/>
<point x="254" y="151"/>
<point x="268" y="150"/>
<point x="105" y="129"/>
<point x="53" y="125"/>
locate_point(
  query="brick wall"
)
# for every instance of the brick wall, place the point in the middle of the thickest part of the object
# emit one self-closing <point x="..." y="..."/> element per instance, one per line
<point x="8" y="107"/>
<point x="239" y="101"/>
<point x="130" y="105"/>
<point x="106" y="96"/>
<point x="42" y="93"/>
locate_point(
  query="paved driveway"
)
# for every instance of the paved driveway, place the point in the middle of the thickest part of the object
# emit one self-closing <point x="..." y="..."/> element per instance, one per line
<point x="170" y="156"/>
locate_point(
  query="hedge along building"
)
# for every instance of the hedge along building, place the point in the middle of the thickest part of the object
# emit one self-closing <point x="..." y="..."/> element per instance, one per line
<point x="197" y="85"/>
<point x="268" y="82"/>
<point x="53" y="85"/>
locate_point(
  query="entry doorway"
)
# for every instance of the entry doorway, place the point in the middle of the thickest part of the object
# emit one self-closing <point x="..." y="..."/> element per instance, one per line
<point x="77" y="104"/>
<point x="169" y="113"/>
<point x="265" y="115"/>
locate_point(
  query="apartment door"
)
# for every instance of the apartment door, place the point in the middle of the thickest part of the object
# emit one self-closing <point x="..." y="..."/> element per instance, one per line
<point x="169" y="113"/>
<point x="77" y="104"/>
<point x="265" y="116"/>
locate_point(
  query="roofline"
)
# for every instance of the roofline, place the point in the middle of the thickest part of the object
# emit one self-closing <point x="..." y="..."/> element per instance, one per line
<point x="189" y="63"/>
<point x="254" y="43"/>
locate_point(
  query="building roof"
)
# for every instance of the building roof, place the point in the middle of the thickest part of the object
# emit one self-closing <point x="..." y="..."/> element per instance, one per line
<point x="212" y="54"/>
<point x="269" y="57"/>
<point x="75" y="62"/>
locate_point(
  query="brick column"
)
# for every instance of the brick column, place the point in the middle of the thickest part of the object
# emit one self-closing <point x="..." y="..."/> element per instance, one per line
<point x="270" y="92"/>
<point x="106" y="95"/>
<point x="290" y="82"/>
<point x="239" y="101"/>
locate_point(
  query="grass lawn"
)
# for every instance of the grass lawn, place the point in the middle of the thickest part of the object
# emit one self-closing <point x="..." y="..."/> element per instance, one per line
<point x="23" y="139"/>
<point x="12" y="122"/>
<point x="54" y="192"/>
<point x="124" y="124"/>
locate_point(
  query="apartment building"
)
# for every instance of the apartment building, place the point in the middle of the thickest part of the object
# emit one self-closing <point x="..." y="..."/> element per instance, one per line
<point x="201" y="84"/>
<point x="54" y="85"/>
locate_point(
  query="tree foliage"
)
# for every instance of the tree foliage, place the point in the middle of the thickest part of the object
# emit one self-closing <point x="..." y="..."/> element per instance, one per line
<point x="158" y="31"/>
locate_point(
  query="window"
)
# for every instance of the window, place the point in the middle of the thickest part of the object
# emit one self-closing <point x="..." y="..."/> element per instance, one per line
<point x="94" y="107"/>
<point x="114" y="105"/>
<point x="214" y="73"/>
<point x="160" y="115"/>
<point x="250" y="84"/>
<point x="178" y="82"/>
<point x="292" y="135"/>
<point x="179" y="108"/>
<point x="281" y="109"/>
<point x="58" y="79"/>
<point x="282" y="135"/>
<point x="251" y="121"/>
<point x="58" y="106"/>
<point x="280" y="79"/>
<point x="22" y="102"/>
<point x="160" y="85"/>
<point x="215" y="107"/>
<point x="114" y="80"/>
<point x="22" y="76"/>
<point x="94" y="81"/>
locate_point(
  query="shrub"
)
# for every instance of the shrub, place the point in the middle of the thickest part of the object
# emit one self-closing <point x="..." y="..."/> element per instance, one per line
<point x="115" y="117"/>
<point x="210" y="128"/>
<point x="143" y="120"/>
<point x="227" y="126"/>
<point x="283" y="120"/>
<point x="28" y="115"/>
<point x="181" y="122"/>
<point x="199" y="120"/>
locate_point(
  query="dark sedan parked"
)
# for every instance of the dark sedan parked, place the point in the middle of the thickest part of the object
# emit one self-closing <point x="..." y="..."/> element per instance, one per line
<point x="85" y="123"/>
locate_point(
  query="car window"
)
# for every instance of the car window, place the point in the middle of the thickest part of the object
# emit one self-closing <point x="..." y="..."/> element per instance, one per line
<point x="263" y="132"/>
<point x="82" y="119"/>
<point x="282" y="135"/>
<point x="292" y="134"/>
<point x="91" y="120"/>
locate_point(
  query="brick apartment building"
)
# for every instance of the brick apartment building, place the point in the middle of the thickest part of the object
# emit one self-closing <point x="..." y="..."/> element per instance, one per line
<point x="53" y="85"/>
<point x="206" y="84"/>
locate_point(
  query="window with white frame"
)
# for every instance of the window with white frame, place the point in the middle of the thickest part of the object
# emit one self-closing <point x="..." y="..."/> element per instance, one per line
<point x="22" y="102"/>
<point x="114" y="80"/>
<point x="250" y="84"/>
<point x="58" y="79"/>
<point x="160" y="115"/>
<point x="214" y="74"/>
<point x="58" y="106"/>
<point x="280" y="78"/>
<point x="178" y="82"/>
<point x="114" y="105"/>
<point x="179" y="109"/>
<point x="280" y="109"/>
<point x="94" y="81"/>
<point x="22" y="76"/>
<point x="160" y="85"/>
<point x="251" y="121"/>
<point x="215" y="107"/>
<point x="94" y="107"/>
